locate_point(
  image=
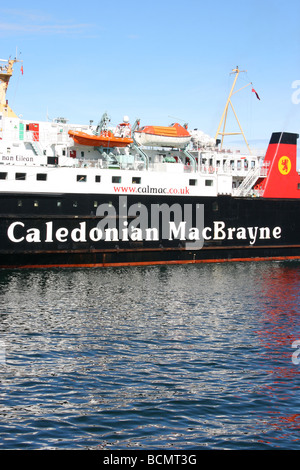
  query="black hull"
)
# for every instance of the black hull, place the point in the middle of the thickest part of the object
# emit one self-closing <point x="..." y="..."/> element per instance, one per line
<point x="140" y="258"/>
<point x="34" y="238"/>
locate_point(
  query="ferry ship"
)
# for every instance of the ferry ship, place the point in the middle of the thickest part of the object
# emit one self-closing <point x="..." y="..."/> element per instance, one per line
<point x="97" y="196"/>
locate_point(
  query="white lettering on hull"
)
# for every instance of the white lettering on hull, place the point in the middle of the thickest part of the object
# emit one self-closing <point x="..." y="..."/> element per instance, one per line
<point x="17" y="232"/>
<point x="175" y="222"/>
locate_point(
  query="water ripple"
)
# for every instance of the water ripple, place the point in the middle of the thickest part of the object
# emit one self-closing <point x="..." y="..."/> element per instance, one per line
<point x="160" y="357"/>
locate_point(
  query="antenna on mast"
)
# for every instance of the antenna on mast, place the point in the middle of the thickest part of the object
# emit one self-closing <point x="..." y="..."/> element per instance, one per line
<point x="235" y="71"/>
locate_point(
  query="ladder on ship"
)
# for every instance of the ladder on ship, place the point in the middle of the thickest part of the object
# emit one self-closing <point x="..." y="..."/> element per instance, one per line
<point x="36" y="147"/>
<point x="247" y="184"/>
<point x="191" y="158"/>
<point x="142" y="154"/>
<point x="136" y="146"/>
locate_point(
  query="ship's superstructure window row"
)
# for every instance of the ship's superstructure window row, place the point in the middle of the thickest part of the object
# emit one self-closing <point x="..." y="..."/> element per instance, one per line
<point x="59" y="206"/>
<point x="97" y="178"/>
<point x="44" y="178"/>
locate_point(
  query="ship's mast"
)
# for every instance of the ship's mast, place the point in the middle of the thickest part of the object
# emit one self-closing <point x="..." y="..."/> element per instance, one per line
<point x="235" y="71"/>
<point x="6" y="71"/>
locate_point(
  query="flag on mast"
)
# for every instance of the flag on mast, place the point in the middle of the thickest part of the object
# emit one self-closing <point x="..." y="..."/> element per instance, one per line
<point x="256" y="94"/>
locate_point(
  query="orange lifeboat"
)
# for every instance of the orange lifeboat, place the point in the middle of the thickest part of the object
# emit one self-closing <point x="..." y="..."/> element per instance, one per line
<point x="174" y="135"/>
<point x="106" y="138"/>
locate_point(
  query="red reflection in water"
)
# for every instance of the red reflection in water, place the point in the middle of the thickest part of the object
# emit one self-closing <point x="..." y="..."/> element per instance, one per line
<point x="280" y="296"/>
<point x="285" y="425"/>
<point x="279" y="328"/>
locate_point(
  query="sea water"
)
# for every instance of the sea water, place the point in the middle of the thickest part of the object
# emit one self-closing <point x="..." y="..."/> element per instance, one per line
<point x="162" y="357"/>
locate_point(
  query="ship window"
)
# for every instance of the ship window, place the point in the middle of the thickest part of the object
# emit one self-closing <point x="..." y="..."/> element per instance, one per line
<point x="298" y="186"/>
<point x="20" y="176"/>
<point x="75" y="203"/>
<point x="36" y="204"/>
<point x="209" y="182"/>
<point x="97" y="179"/>
<point x="215" y="206"/>
<point x="193" y="182"/>
<point x="58" y="203"/>
<point x="3" y="176"/>
<point x="95" y="203"/>
<point x="81" y="178"/>
<point x="116" y="179"/>
<point x="20" y="203"/>
<point x="136" y="180"/>
<point x="52" y="160"/>
<point x="41" y="176"/>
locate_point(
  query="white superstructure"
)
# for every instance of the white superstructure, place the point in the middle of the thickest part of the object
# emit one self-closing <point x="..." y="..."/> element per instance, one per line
<point x="41" y="157"/>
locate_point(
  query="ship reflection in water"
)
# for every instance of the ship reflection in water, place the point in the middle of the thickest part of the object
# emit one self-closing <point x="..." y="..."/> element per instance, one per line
<point x="279" y="329"/>
<point x="184" y="357"/>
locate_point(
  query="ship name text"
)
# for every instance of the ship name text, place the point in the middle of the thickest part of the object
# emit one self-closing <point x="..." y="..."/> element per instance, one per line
<point x="17" y="232"/>
<point x="137" y="222"/>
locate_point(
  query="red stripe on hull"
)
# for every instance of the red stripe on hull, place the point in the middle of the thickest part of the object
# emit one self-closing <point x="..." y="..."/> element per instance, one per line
<point x="153" y="263"/>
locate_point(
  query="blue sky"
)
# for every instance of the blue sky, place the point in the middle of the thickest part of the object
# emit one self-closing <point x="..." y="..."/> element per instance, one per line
<point x="160" y="61"/>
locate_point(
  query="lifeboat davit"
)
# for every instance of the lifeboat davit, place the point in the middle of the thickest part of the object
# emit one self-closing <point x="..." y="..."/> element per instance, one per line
<point x="175" y="136"/>
<point x="106" y="138"/>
